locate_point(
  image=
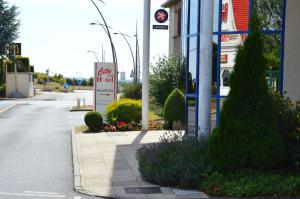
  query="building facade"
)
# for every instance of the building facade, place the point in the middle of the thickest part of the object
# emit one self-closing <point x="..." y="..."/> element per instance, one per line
<point x="230" y="28"/>
<point x="175" y="26"/>
<point x="234" y="19"/>
<point x="291" y="70"/>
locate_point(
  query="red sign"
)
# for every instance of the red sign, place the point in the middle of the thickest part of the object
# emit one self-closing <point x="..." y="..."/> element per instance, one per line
<point x="229" y="38"/>
<point x="224" y="59"/>
<point x="161" y="16"/>
<point x="225" y="12"/>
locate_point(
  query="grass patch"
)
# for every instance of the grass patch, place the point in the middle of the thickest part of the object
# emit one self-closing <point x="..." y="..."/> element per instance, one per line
<point x="53" y="86"/>
<point x="154" y="116"/>
<point x="249" y="184"/>
<point x="82" y="129"/>
<point x="83" y="108"/>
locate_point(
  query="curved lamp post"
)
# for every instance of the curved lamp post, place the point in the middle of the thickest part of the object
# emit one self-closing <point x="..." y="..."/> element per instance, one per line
<point x="133" y="61"/>
<point x="94" y="53"/>
<point x="107" y="31"/>
<point x="111" y="42"/>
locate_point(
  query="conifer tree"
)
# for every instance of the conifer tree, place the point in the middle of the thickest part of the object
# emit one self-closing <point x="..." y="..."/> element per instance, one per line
<point x="247" y="137"/>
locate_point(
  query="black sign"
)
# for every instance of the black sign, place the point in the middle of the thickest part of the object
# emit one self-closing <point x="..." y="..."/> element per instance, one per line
<point x="161" y="27"/>
<point x="161" y="16"/>
<point x="15" y="49"/>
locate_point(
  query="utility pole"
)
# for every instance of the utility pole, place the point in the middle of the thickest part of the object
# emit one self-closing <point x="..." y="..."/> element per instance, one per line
<point x="205" y="73"/>
<point x="146" y="59"/>
<point x="137" y="65"/>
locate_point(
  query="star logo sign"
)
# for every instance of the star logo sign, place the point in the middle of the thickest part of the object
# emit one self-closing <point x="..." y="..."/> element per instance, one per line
<point x="161" y="16"/>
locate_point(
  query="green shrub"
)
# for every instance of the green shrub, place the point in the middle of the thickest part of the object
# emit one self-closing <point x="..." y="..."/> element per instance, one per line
<point x="249" y="184"/>
<point x="175" y="106"/>
<point x="173" y="161"/>
<point x="289" y="127"/>
<point x="93" y="120"/>
<point x="133" y="91"/>
<point x="247" y="136"/>
<point x="125" y="110"/>
<point x="22" y="64"/>
<point x="167" y="74"/>
<point x="2" y="90"/>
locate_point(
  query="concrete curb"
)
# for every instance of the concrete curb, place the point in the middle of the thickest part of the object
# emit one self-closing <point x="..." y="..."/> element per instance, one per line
<point x="76" y="165"/>
<point x="7" y="108"/>
<point x="76" y="170"/>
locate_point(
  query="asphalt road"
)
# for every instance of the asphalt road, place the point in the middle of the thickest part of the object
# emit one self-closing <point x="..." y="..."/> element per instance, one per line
<point x="35" y="147"/>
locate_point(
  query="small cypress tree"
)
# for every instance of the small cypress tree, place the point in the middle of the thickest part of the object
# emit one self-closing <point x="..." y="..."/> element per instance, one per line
<point x="174" y="106"/>
<point x="247" y="137"/>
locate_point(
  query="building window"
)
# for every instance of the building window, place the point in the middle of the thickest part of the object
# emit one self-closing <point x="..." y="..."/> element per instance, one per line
<point x="179" y="20"/>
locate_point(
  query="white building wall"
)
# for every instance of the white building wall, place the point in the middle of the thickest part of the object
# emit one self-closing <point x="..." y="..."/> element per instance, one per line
<point x="24" y="84"/>
<point x="292" y="50"/>
<point x="175" y="39"/>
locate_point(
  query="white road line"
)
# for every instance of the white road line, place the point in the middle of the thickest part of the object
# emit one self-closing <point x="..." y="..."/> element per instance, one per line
<point x="32" y="195"/>
<point x="40" y="192"/>
<point x="77" y="197"/>
<point x="7" y="108"/>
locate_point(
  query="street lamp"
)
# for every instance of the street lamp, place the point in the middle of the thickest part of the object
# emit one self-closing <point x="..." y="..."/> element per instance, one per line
<point x="107" y="31"/>
<point x="105" y="27"/>
<point x="94" y="53"/>
<point x="134" y="64"/>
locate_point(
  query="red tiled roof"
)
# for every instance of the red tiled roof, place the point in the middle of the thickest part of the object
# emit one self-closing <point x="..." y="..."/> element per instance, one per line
<point x="241" y="14"/>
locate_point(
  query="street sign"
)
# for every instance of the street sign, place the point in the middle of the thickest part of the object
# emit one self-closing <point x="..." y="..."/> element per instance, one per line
<point x="123" y="76"/>
<point x="105" y="86"/>
<point x="79" y="82"/>
<point x="161" y="16"/>
<point x="161" y="27"/>
<point x="132" y="74"/>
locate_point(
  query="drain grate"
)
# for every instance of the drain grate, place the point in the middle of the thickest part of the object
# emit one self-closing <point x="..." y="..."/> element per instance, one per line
<point x="142" y="190"/>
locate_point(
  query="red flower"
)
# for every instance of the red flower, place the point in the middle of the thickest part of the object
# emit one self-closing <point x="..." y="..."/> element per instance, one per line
<point x="121" y="123"/>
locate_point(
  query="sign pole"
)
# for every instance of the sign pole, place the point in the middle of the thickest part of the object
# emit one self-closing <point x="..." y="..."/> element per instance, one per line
<point x="205" y="76"/>
<point x="146" y="59"/>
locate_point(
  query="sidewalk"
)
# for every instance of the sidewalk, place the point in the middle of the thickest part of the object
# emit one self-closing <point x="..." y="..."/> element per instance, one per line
<point x="105" y="165"/>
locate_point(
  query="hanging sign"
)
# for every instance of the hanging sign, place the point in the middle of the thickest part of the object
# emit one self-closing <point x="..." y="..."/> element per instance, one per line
<point x="160" y="27"/>
<point x="161" y="16"/>
<point x="105" y="89"/>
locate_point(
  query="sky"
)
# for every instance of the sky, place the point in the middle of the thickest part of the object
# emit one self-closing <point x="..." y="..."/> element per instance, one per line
<point x="56" y="34"/>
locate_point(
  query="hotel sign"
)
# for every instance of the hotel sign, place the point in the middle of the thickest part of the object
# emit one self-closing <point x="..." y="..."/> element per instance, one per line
<point x="105" y="89"/>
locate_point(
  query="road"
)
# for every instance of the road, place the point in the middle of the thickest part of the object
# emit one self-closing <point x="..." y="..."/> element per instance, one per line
<point x="35" y="147"/>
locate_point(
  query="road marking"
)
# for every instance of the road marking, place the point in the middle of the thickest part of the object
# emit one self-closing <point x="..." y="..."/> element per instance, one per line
<point x="40" y="192"/>
<point x="7" y="108"/>
<point x="33" y="195"/>
<point x="77" y="197"/>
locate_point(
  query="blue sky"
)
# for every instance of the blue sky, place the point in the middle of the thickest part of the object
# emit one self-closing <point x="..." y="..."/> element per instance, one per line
<point x="56" y="34"/>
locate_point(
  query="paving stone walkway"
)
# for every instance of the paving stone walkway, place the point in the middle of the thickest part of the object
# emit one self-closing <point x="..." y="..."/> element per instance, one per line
<point x="105" y="165"/>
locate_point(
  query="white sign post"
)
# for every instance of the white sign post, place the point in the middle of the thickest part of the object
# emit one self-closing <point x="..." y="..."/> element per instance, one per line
<point x="105" y="89"/>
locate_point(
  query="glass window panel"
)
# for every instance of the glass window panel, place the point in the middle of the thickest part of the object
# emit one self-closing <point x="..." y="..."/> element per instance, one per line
<point x="192" y="65"/>
<point x="213" y="111"/>
<point x="227" y="59"/>
<point x="235" y="14"/>
<point x="216" y="15"/>
<point x="272" y="47"/>
<point x="194" y="5"/>
<point x="270" y="12"/>
<point x="191" y="116"/>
